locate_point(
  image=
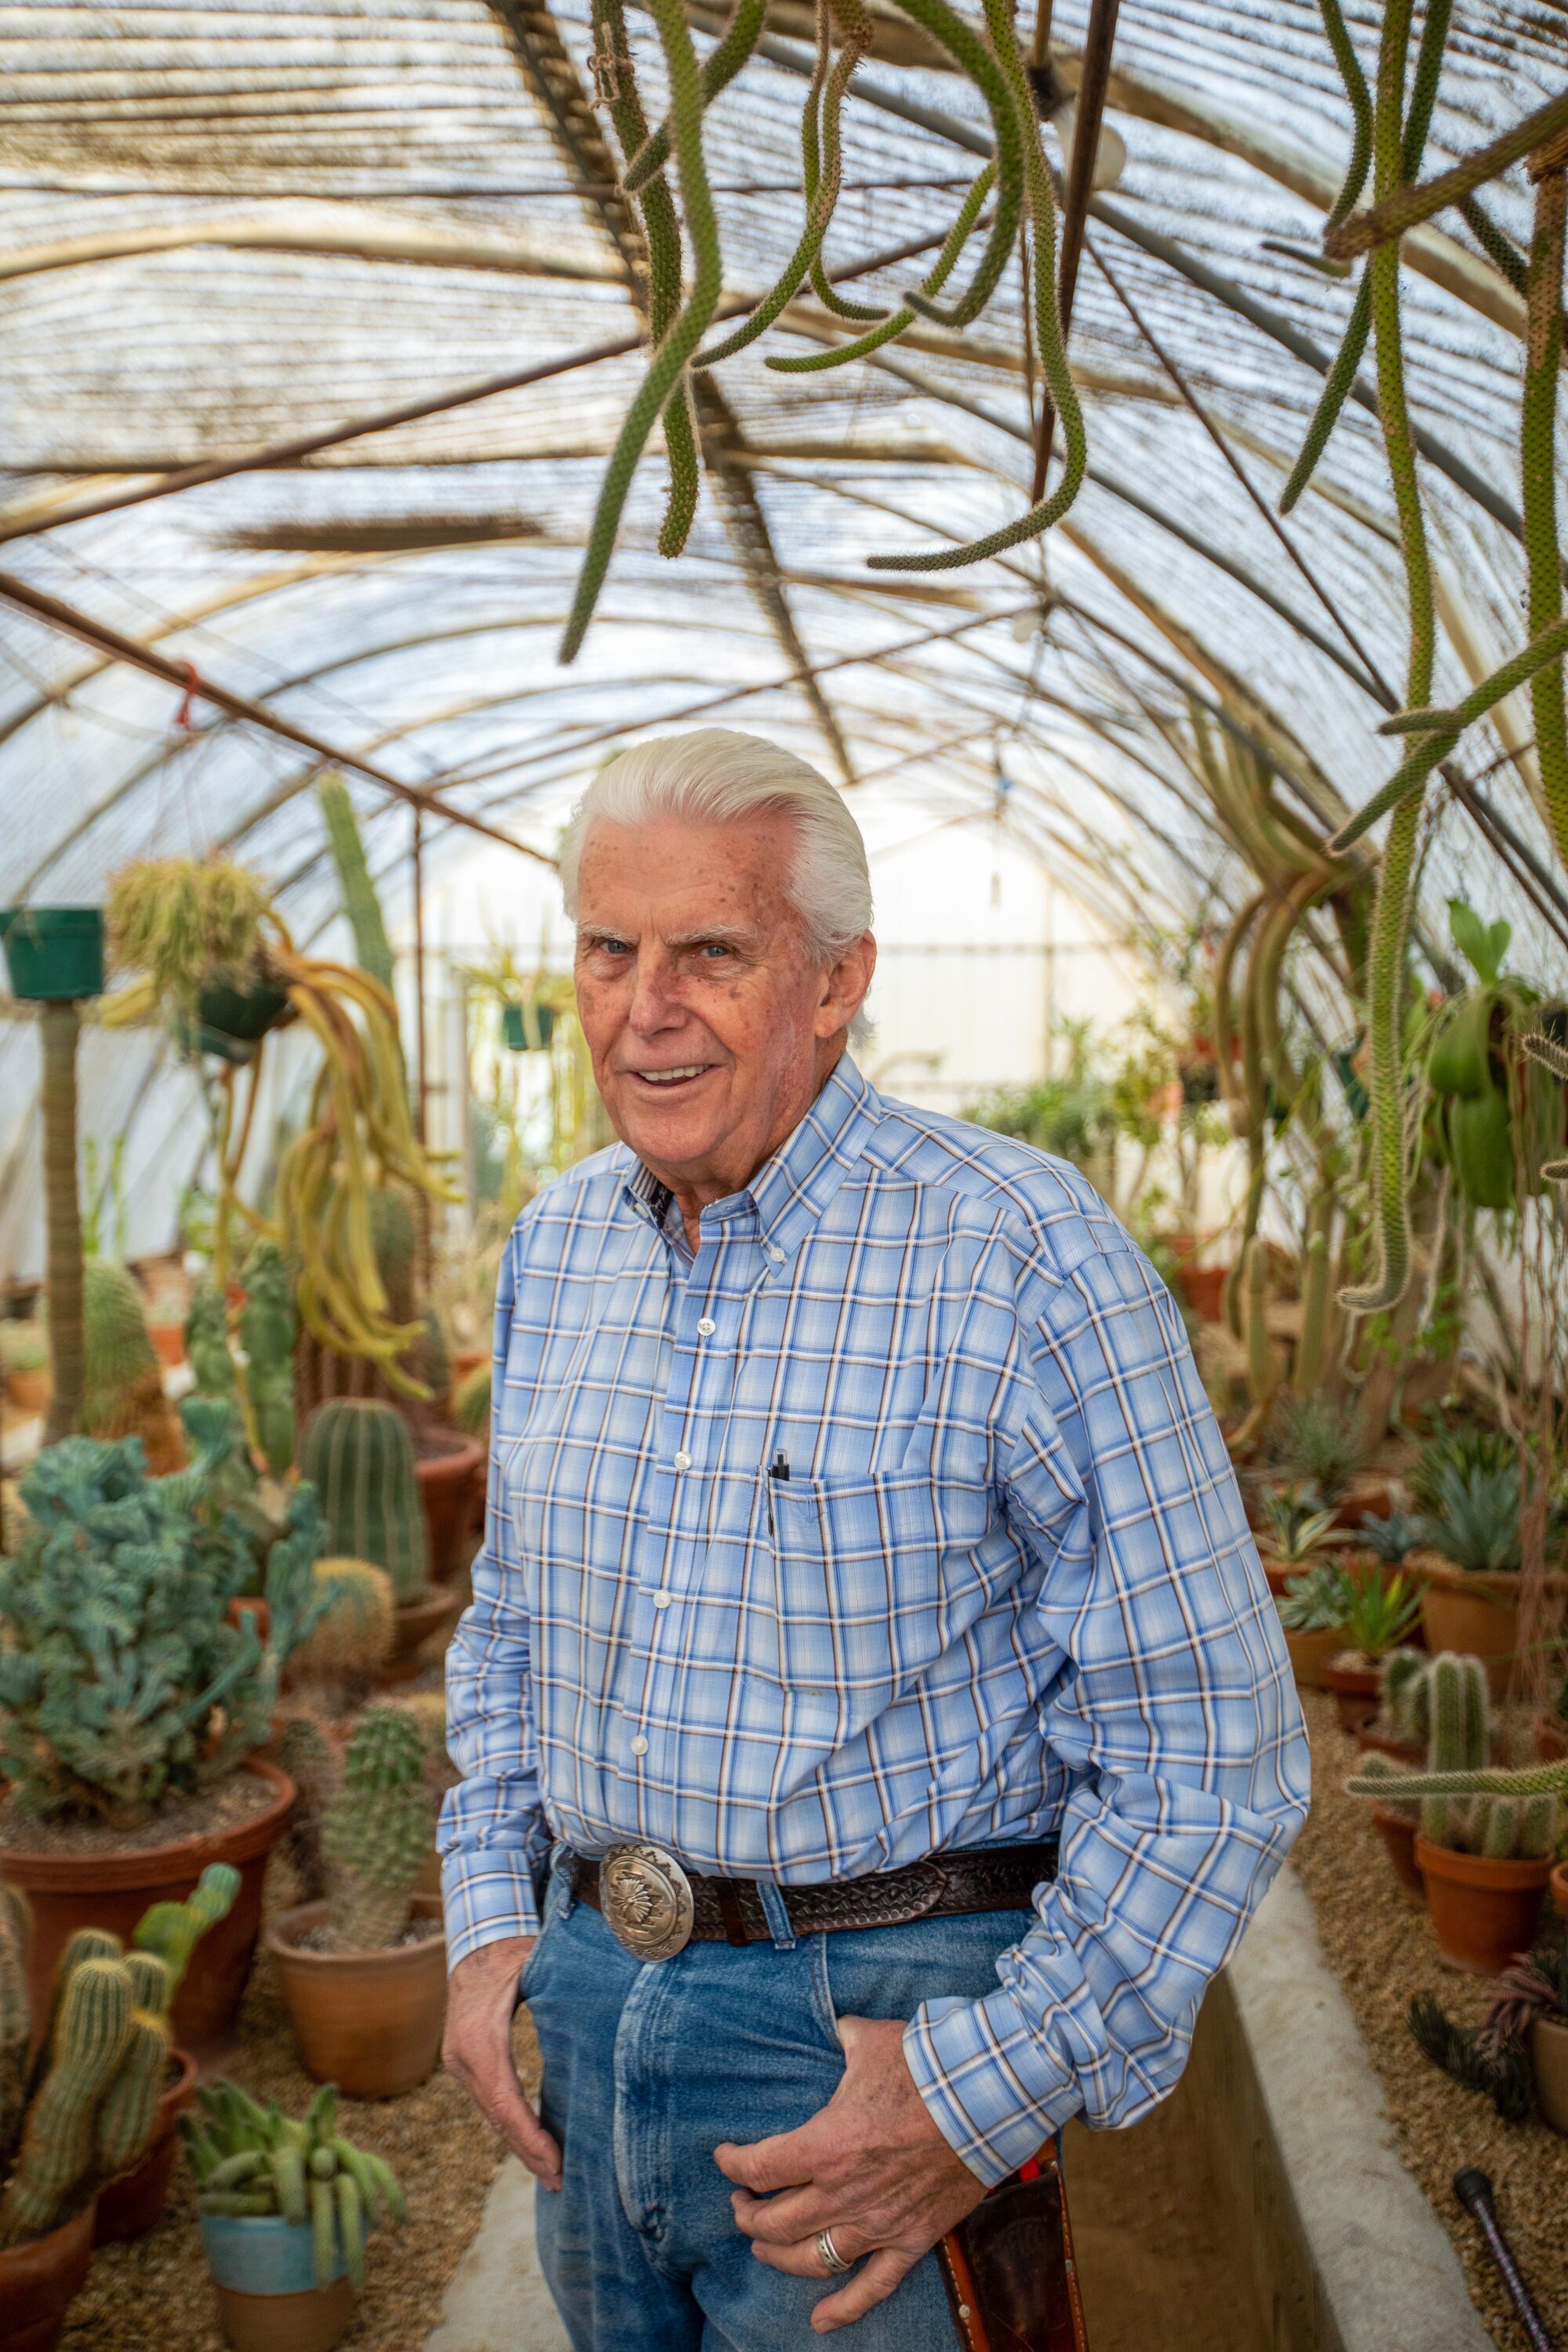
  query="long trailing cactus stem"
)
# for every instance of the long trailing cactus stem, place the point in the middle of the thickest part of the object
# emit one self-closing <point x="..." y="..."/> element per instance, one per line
<point x="661" y="231"/>
<point x="1391" y="916"/>
<point x="1360" y="98"/>
<point x="814" y="363"/>
<point x="822" y="153"/>
<point x="1543" y="352"/>
<point x="723" y="63"/>
<point x="1049" y="337"/>
<point x="685" y="334"/>
<point x="1531" y="1780"/>
<point x="58" y="1027"/>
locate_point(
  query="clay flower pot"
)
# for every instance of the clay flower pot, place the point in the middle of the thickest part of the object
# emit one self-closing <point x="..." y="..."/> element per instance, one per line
<point x="412" y="1627"/>
<point x="29" y="1392"/>
<point x="447" y="1466"/>
<point x="1475" y="1614"/>
<point x="369" y="2022"/>
<point x="1551" y="1738"/>
<point x="1370" y="1498"/>
<point x="38" y="2282"/>
<point x="264" y="2275"/>
<point x="1372" y="1742"/>
<point x="1548" y="2061"/>
<point x="128" y="2206"/>
<point x="1398" y="1832"/>
<point x="1356" y="1692"/>
<point x="1483" y="1912"/>
<point x="1311" y="1655"/>
<point x="68" y="1891"/>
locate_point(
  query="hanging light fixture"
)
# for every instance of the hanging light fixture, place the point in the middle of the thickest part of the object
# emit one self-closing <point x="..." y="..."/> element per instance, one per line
<point x="1110" y="155"/>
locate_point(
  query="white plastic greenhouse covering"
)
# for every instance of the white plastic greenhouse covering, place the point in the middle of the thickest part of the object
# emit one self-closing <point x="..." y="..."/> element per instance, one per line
<point x="228" y="226"/>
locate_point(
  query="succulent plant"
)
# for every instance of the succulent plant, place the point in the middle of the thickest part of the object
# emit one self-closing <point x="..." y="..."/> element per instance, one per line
<point x="122" y="1395"/>
<point x="1390" y="1539"/>
<point x="1319" y="1601"/>
<point x="267" y="1329"/>
<point x="376" y="1836"/>
<point x="359" y="1455"/>
<point x="252" y="2160"/>
<point x="1296" y="1526"/>
<point x="1475" y="1519"/>
<point x="1482" y="1446"/>
<point x="1382" y="1612"/>
<point x="1318" y="1442"/>
<point x="354" y="1636"/>
<point x="170" y="1932"/>
<point x="1464" y="1804"/>
<point x="121" y="1681"/>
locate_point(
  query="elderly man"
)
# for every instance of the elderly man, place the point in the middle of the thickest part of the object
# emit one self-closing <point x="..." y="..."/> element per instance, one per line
<point x="874" y="1725"/>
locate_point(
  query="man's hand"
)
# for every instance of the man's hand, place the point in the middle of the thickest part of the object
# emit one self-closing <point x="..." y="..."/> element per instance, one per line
<point x="481" y="2001"/>
<point x="870" y="2166"/>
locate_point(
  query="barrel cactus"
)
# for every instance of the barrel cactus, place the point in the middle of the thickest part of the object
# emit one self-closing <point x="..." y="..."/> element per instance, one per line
<point x="376" y="1837"/>
<point x="353" y="1637"/>
<point x="360" y="1456"/>
<point x="124" y="1392"/>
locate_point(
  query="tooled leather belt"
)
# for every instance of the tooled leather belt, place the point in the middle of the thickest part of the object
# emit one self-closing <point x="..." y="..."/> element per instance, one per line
<point x="654" y="1906"/>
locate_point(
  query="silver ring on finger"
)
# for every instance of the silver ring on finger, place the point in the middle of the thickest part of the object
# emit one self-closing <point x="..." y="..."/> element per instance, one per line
<point x="833" y="2260"/>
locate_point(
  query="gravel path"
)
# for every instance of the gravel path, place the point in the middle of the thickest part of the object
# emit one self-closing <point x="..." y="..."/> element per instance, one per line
<point x="1382" y="1951"/>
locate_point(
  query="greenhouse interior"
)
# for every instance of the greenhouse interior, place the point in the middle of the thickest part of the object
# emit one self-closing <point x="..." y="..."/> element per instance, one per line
<point x="1117" y="451"/>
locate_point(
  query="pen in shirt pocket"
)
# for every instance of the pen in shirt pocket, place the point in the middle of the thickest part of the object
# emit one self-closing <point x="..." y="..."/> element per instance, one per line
<point x="777" y="1468"/>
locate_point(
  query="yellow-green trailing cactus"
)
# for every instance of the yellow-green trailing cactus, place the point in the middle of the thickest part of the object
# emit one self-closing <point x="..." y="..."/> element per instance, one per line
<point x="377" y="1834"/>
<point x="250" y="2159"/>
<point x="353" y="1636"/>
<point x="170" y="1932"/>
<point x="93" y="2031"/>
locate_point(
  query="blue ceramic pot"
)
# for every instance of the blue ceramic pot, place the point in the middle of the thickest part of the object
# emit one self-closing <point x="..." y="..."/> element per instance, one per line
<point x="262" y="2254"/>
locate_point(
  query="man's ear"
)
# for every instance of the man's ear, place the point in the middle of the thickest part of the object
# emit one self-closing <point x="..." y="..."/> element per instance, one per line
<point x="846" y="986"/>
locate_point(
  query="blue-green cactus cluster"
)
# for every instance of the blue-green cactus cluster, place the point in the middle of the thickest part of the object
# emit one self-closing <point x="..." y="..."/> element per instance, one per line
<point x="122" y="1683"/>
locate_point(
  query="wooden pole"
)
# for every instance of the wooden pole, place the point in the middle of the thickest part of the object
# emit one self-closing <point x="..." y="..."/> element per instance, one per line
<point x="59" y="1025"/>
<point x="421" y="1088"/>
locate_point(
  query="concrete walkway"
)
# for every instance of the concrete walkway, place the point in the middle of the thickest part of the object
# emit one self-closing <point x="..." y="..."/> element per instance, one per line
<point x="497" y="2301"/>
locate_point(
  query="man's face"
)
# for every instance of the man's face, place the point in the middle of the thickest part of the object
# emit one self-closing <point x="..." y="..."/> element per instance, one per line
<point x="710" y="1029"/>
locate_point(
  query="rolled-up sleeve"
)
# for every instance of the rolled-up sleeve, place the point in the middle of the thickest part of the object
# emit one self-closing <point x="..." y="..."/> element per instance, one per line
<point x="493" y="1836"/>
<point x="1174" y="1715"/>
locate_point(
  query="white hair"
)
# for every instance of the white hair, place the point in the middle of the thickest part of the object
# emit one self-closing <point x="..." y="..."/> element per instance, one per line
<point x="717" y="776"/>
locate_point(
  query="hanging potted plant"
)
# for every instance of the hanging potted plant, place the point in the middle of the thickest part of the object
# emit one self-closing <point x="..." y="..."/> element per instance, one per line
<point x="286" y="2207"/>
<point x="364" y="1972"/>
<point x="1383" y="1610"/>
<point x="54" y="954"/>
<point x="193" y="928"/>
<point x="129" y="1738"/>
<point x="81" y="2113"/>
<point x="1315" y="1613"/>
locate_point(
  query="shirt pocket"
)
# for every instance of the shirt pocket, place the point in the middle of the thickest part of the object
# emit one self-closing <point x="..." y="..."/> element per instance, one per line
<point x="852" y="1595"/>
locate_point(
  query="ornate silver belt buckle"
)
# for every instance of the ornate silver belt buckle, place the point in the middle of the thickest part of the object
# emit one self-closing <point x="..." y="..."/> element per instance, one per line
<point x="645" y="1897"/>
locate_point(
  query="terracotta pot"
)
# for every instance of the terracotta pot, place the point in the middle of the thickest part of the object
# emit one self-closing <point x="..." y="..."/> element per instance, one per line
<point x="369" y="2022"/>
<point x="1398" y="1834"/>
<point x="1356" y="1693"/>
<point x="128" y="2207"/>
<point x="466" y="1361"/>
<point x="1278" y="1574"/>
<point x="1369" y="1499"/>
<point x="1558" y="1882"/>
<point x="263" y="2275"/>
<point x="1203" y="1290"/>
<point x="412" y="1627"/>
<point x="1310" y="1653"/>
<point x="1548" y="2061"/>
<point x="445" y="1475"/>
<point x="28" y="1391"/>
<point x="1483" y="1912"/>
<point x="250" y="1605"/>
<point x="168" y="1343"/>
<point x="1476" y="1615"/>
<point x="1551" y="1738"/>
<point x="1404" y="1751"/>
<point x="38" y="2282"/>
<point x="112" y="1890"/>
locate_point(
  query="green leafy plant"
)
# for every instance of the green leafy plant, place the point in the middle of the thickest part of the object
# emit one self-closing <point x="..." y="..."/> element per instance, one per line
<point x="1475" y="1521"/>
<point x="122" y="1683"/>
<point x="1319" y="1442"/>
<point x="1390" y="1539"/>
<point x="1383" y="1610"/>
<point x="84" y="2110"/>
<point x="1319" y="1601"/>
<point x="1297" y="1527"/>
<point x="1485" y="1088"/>
<point x="250" y="2161"/>
<point x="1478" y="1446"/>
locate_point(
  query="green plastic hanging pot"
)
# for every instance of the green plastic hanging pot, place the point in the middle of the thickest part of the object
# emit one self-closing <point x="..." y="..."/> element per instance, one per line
<point x="528" y="1028"/>
<point x="231" y="1022"/>
<point x="53" y="953"/>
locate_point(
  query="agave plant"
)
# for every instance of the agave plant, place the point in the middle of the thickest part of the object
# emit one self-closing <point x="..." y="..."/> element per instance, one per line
<point x="1383" y="1610"/>
<point x="1297" y="1527"/>
<point x="1320" y="1601"/>
<point x="1391" y="1539"/>
<point x="1474" y="1522"/>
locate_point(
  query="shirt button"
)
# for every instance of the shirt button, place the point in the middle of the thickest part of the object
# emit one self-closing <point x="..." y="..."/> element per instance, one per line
<point x="661" y="1600"/>
<point x="640" y="1745"/>
<point x="683" y="1460"/>
<point x="775" y="1254"/>
<point x="707" y="1325"/>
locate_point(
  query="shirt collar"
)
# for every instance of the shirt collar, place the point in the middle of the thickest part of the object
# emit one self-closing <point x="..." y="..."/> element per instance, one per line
<point x="790" y="1191"/>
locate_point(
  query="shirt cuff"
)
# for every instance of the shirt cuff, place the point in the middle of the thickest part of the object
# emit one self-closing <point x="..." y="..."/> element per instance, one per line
<point x="991" y="2088"/>
<point x="486" y="1897"/>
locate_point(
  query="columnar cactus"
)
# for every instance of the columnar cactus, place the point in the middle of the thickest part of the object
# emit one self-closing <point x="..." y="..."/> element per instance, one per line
<point x="91" y="2033"/>
<point x="314" y="1764"/>
<point x="130" y="2106"/>
<point x="123" y="1392"/>
<point x="168" y="1933"/>
<point x="377" y="1834"/>
<point x="267" y="1328"/>
<point x="353" y="1636"/>
<point x="360" y="1456"/>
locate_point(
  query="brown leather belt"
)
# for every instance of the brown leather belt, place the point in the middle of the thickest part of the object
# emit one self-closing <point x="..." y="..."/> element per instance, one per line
<point x="730" y="1910"/>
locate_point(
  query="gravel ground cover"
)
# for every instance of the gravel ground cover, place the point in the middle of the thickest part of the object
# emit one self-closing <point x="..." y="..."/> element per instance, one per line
<point x="156" y="2292"/>
<point x="1382" y="1951"/>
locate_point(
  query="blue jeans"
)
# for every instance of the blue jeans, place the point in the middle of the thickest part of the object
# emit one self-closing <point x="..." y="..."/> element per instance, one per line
<point x="648" y="2067"/>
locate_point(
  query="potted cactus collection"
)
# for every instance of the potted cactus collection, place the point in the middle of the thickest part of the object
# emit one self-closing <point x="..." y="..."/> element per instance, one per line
<point x="1485" y="1838"/>
<point x="363" y="1971"/>
<point x="81" y="2079"/>
<point x="286" y="2206"/>
<point x="132" y="1706"/>
<point x="358" y="1454"/>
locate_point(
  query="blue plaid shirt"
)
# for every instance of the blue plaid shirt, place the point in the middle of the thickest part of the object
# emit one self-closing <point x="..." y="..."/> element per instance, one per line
<point x="1006" y="1592"/>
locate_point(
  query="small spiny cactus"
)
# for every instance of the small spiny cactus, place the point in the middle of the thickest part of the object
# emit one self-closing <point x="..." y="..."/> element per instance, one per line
<point x="353" y="1636"/>
<point x="377" y="1834"/>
